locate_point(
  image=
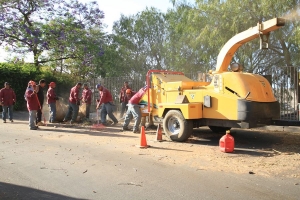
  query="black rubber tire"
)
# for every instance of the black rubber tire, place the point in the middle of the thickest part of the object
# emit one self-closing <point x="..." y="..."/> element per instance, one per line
<point x="219" y="129"/>
<point x="176" y="127"/>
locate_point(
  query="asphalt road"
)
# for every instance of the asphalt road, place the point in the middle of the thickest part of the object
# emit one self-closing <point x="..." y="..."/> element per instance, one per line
<point x="66" y="163"/>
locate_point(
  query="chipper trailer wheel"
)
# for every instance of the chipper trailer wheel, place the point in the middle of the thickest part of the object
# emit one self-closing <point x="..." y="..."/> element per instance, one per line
<point x="176" y="127"/>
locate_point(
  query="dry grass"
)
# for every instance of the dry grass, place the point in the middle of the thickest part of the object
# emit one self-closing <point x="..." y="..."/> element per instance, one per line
<point x="62" y="109"/>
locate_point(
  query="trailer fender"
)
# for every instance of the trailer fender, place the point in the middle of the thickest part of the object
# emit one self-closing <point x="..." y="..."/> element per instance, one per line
<point x="188" y="110"/>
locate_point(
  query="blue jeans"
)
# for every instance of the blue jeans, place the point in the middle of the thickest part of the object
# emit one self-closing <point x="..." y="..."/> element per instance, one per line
<point x="107" y="109"/>
<point x="123" y="109"/>
<point x="39" y="114"/>
<point x="133" y="111"/>
<point x="10" y="112"/>
<point x="52" y="116"/>
<point x="73" y="108"/>
<point x="32" y="118"/>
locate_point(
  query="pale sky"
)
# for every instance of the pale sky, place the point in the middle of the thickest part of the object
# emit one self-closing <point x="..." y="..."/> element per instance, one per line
<point x="113" y="10"/>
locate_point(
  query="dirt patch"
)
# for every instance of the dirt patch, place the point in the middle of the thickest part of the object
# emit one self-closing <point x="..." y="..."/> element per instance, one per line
<point x="257" y="152"/>
<point x="269" y="153"/>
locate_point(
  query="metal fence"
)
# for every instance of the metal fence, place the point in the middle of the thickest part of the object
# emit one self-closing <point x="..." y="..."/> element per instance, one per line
<point x="285" y="84"/>
<point x="114" y="85"/>
<point x="284" y="81"/>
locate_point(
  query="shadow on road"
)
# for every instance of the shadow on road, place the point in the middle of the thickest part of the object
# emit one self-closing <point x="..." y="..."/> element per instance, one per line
<point x="21" y="122"/>
<point x="77" y="128"/>
<point x="16" y="192"/>
<point x="161" y="148"/>
<point x="86" y="131"/>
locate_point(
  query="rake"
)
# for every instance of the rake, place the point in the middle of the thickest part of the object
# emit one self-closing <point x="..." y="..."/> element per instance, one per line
<point x="98" y="125"/>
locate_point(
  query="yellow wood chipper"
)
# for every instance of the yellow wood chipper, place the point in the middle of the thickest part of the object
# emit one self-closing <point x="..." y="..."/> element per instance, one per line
<point x="233" y="99"/>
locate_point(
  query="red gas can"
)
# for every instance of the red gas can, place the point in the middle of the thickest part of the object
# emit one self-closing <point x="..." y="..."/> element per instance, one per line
<point x="227" y="143"/>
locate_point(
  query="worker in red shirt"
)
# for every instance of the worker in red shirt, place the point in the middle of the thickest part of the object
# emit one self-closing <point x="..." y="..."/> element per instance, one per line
<point x="134" y="111"/>
<point x="106" y="103"/>
<point x="7" y="100"/>
<point x="74" y="102"/>
<point x="129" y="94"/>
<point x="51" y="101"/>
<point x="32" y="105"/>
<point x="123" y="98"/>
<point x="87" y="99"/>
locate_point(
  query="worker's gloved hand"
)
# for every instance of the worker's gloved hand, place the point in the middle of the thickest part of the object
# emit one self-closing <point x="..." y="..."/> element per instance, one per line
<point x="78" y="103"/>
<point x="56" y="98"/>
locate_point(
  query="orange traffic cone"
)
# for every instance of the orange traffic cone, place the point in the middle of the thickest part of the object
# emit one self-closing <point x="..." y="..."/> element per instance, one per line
<point x="143" y="138"/>
<point x="159" y="133"/>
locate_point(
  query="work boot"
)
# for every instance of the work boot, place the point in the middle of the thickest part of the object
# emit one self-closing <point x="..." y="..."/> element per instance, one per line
<point x="114" y="123"/>
<point x="104" y="123"/>
<point x="151" y="127"/>
<point x="11" y="120"/>
<point x="135" y="131"/>
<point x="126" y="129"/>
<point x="4" y="121"/>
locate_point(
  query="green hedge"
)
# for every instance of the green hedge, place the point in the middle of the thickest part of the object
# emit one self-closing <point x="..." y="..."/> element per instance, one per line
<point x="18" y="75"/>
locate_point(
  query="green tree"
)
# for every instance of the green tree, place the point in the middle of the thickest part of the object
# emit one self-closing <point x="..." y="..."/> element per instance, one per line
<point x="48" y="29"/>
<point x="79" y="55"/>
<point x="141" y="41"/>
<point x="210" y="24"/>
<point x="185" y="53"/>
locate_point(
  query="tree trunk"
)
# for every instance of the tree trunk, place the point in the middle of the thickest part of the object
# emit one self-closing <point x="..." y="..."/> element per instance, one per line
<point x="36" y="58"/>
